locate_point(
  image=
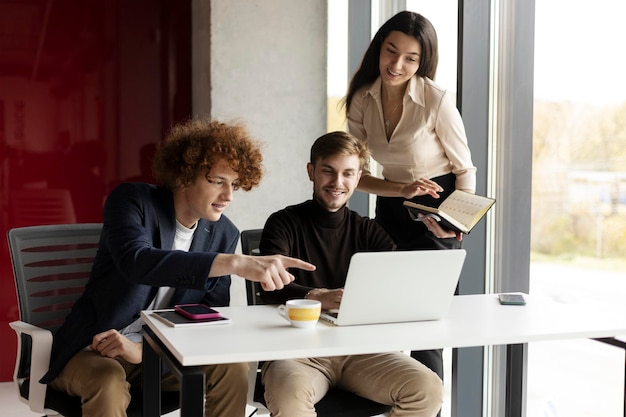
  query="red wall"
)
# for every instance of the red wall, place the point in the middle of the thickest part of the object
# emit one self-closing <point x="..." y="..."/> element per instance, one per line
<point x="87" y="89"/>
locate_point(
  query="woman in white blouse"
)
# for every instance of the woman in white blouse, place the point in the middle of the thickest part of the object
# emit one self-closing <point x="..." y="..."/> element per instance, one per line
<point x="414" y="131"/>
<point x="412" y="128"/>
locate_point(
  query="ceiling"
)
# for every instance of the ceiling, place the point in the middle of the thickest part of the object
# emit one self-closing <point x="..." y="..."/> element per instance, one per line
<point x="47" y="39"/>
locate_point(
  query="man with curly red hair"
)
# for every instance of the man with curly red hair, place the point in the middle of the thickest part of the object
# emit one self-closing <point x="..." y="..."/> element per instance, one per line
<point x="160" y="246"/>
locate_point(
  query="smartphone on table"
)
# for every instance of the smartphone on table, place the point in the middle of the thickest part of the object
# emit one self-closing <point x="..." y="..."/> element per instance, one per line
<point x="197" y="311"/>
<point x="512" y="299"/>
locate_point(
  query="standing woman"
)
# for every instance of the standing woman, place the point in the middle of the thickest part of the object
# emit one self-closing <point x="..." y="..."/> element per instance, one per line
<point x="412" y="128"/>
<point x="414" y="131"/>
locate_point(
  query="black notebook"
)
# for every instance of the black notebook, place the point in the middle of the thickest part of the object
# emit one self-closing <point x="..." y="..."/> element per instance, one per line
<point x="173" y="319"/>
<point x="460" y="211"/>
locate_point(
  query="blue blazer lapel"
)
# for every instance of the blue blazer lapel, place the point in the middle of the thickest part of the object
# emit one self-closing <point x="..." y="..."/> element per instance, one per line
<point x="167" y="231"/>
<point x="202" y="236"/>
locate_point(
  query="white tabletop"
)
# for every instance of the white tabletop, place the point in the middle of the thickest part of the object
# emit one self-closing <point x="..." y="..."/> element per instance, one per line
<point x="259" y="333"/>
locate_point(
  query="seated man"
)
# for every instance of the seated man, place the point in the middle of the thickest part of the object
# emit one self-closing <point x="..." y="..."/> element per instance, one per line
<point x="325" y="232"/>
<point x="161" y="246"/>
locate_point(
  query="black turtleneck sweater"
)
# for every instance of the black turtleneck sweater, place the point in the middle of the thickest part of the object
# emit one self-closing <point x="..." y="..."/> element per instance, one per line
<point x="327" y="240"/>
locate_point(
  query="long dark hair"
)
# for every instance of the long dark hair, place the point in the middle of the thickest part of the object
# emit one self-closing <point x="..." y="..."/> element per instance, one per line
<point x="409" y="23"/>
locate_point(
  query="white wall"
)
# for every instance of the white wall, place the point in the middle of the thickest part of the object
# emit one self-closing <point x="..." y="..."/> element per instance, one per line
<point x="267" y="68"/>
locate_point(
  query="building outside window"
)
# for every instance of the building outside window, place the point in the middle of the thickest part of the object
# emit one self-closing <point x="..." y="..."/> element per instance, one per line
<point x="578" y="223"/>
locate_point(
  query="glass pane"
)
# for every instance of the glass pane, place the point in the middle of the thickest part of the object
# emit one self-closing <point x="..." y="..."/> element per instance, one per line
<point x="443" y="14"/>
<point x="82" y="106"/>
<point x="579" y="198"/>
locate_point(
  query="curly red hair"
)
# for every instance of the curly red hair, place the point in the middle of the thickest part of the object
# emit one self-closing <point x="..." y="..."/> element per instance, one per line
<point x="192" y="148"/>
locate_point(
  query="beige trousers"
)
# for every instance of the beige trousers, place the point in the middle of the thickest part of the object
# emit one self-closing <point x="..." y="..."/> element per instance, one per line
<point x="292" y="387"/>
<point x="103" y="385"/>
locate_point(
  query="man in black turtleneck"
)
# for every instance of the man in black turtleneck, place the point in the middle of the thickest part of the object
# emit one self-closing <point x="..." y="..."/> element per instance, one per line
<point x="324" y="232"/>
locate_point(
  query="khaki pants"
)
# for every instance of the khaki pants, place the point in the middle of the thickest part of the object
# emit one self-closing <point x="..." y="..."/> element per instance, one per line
<point x="103" y="385"/>
<point x="292" y="387"/>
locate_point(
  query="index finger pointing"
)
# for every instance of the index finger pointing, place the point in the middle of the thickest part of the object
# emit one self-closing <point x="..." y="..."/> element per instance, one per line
<point x="298" y="263"/>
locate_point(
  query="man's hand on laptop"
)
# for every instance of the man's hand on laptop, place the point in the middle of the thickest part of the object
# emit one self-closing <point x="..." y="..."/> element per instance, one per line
<point x="330" y="298"/>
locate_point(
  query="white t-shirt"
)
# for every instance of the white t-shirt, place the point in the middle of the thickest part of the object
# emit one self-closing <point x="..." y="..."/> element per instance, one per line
<point x="182" y="241"/>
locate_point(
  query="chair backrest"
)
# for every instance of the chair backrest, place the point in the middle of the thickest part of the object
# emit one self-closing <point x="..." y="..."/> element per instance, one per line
<point x="51" y="265"/>
<point x="250" y="240"/>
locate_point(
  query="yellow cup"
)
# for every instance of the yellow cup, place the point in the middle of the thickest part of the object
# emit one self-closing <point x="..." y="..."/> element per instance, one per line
<point x="301" y="313"/>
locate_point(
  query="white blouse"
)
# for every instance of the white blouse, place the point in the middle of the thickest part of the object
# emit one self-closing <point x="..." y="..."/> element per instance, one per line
<point x="429" y="140"/>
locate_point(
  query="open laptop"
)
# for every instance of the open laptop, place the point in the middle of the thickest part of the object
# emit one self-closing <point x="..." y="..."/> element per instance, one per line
<point x="398" y="286"/>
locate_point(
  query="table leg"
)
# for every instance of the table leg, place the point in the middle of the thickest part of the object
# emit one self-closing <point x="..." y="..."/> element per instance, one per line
<point x="516" y="362"/>
<point x="151" y="369"/>
<point x="191" y="378"/>
<point x="192" y="394"/>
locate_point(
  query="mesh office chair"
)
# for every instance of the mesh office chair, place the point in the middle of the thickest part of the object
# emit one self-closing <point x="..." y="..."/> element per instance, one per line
<point x="51" y="265"/>
<point x="337" y="402"/>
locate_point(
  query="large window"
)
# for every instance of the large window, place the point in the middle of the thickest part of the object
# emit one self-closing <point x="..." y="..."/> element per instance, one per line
<point x="578" y="223"/>
<point x="578" y="216"/>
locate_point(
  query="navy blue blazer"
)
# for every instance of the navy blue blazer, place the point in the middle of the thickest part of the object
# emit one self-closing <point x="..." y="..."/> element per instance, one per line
<point x="134" y="259"/>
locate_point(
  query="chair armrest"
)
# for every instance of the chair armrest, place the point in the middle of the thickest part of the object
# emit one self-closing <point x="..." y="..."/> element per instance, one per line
<point x="41" y="347"/>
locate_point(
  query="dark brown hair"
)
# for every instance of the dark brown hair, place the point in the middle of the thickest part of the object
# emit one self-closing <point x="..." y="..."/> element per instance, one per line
<point x="339" y="143"/>
<point x="409" y="23"/>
